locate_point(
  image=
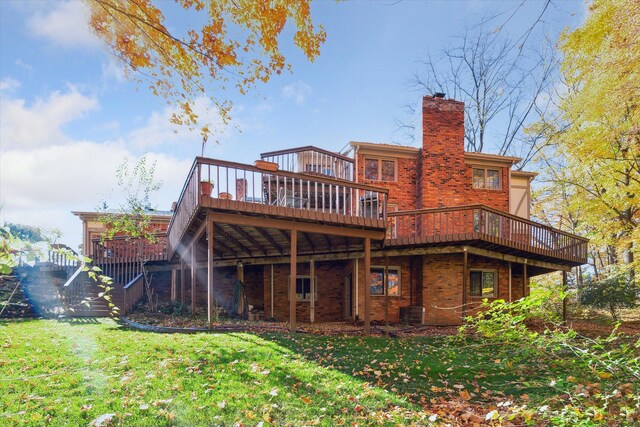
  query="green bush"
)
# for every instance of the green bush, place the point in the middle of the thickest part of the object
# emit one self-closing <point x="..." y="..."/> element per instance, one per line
<point x="615" y="291"/>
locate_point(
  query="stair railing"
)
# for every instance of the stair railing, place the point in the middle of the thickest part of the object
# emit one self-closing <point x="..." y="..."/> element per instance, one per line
<point x="72" y="289"/>
<point x="133" y="293"/>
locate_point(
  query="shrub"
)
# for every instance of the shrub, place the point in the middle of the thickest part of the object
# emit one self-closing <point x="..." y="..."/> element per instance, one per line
<point x="613" y="292"/>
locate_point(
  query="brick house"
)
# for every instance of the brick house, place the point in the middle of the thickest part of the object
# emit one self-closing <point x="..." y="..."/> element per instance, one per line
<point x="386" y="233"/>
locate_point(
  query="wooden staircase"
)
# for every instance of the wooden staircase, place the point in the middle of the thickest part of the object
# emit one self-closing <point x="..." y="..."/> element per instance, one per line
<point x="62" y="286"/>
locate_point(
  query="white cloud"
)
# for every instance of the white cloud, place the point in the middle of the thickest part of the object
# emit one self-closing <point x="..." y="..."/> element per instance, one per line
<point x="298" y="91"/>
<point x="26" y="67"/>
<point x="25" y="126"/>
<point x="41" y="187"/>
<point x="66" y="24"/>
<point x="9" y="85"/>
<point x="113" y="70"/>
<point x="159" y="130"/>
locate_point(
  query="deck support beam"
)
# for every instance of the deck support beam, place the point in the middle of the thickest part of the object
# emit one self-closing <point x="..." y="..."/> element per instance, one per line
<point x="510" y="280"/>
<point x="312" y="285"/>
<point x="193" y="279"/>
<point x="305" y="227"/>
<point x="292" y="281"/>
<point x="183" y="277"/>
<point x="465" y="275"/>
<point x="210" y="298"/>
<point x="564" y="296"/>
<point x="271" y="291"/>
<point x="367" y="286"/>
<point x="174" y="285"/>
<point x="524" y="279"/>
<point x="228" y="262"/>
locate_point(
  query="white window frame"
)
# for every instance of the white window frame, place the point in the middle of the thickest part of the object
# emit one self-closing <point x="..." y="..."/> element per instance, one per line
<point x="485" y="169"/>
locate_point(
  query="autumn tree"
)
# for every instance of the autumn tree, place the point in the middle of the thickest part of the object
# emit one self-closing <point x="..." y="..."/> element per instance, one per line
<point x="594" y="140"/>
<point x="228" y="43"/>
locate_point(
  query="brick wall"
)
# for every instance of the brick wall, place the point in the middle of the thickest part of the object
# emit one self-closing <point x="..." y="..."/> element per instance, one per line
<point x="439" y="176"/>
<point x="443" y="281"/>
<point x="387" y="308"/>
<point x="224" y="279"/>
<point x="443" y="169"/>
<point x="442" y="289"/>
<point x="329" y="306"/>
<point x="432" y="281"/>
<point x="402" y="192"/>
<point x="498" y="199"/>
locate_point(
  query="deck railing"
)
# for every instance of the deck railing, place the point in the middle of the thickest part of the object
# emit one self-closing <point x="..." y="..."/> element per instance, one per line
<point x="249" y="184"/>
<point x="481" y="222"/>
<point x="73" y="289"/>
<point x="120" y="257"/>
<point x="312" y="160"/>
<point x="62" y="256"/>
<point x="133" y="292"/>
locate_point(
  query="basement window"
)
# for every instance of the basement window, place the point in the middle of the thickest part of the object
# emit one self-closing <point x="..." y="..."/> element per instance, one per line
<point x="483" y="283"/>
<point x="486" y="179"/>
<point x="303" y="288"/>
<point x="379" y="169"/>
<point x="377" y="284"/>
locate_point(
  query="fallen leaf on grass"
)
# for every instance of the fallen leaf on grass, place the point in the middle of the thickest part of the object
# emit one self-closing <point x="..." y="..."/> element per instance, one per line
<point x="102" y="420"/>
<point x="464" y="394"/>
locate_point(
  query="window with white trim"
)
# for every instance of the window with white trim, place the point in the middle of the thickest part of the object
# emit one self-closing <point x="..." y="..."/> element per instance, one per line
<point x="483" y="283"/>
<point x="377" y="285"/>
<point x="379" y="169"/>
<point x="486" y="179"/>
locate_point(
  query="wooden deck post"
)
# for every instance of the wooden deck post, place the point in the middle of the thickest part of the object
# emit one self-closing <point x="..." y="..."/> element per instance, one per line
<point x="465" y="275"/>
<point x="524" y="279"/>
<point x="564" y="297"/>
<point x="240" y="272"/>
<point x="510" y="279"/>
<point x="193" y="278"/>
<point x="312" y="285"/>
<point x="271" y="282"/>
<point x="210" y="302"/>
<point x="183" y="278"/>
<point x="174" y="285"/>
<point x="385" y="287"/>
<point x="292" y="281"/>
<point x="367" y="285"/>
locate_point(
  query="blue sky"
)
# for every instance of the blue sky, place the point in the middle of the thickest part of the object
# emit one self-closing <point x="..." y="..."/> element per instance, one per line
<point x="69" y="117"/>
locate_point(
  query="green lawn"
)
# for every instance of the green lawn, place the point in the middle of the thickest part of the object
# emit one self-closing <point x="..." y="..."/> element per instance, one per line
<point x="70" y="373"/>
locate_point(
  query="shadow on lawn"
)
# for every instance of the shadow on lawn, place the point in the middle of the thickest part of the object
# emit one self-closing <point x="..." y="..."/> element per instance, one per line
<point x="78" y="321"/>
<point x="4" y="321"/>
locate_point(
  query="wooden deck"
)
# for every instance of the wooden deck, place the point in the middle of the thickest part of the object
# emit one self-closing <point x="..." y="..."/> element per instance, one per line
<point x="484" y="227"/>
<point x="254" y="211"/>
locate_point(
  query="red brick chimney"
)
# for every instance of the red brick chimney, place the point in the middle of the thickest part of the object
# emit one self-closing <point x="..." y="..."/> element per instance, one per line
<point x="442" y="169"/>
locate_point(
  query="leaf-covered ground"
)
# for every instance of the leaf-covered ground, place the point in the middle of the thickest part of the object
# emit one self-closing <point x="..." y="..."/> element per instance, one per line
<point x="95" y="372"/>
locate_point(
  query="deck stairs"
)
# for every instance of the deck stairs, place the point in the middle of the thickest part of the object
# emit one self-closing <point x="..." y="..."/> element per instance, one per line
<point x="61" y="286"/>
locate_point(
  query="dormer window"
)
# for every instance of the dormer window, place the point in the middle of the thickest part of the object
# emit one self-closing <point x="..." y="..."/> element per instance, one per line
<point x="486" y="179"/>
<point x="379" y="169"/>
